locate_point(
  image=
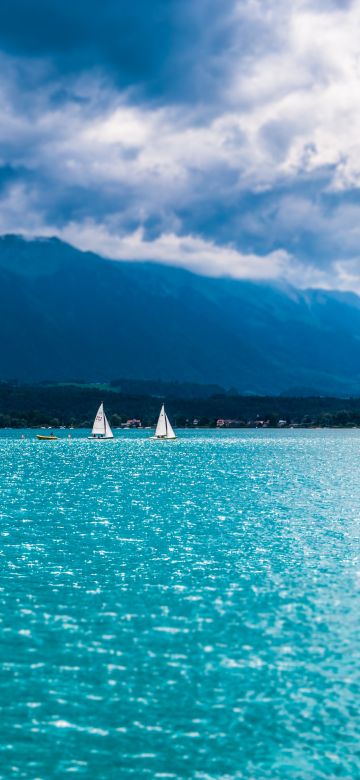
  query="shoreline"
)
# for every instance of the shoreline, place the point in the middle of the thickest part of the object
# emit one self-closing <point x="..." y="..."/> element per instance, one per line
<point x="68" y="406"/>
<point x="141" y="429"/>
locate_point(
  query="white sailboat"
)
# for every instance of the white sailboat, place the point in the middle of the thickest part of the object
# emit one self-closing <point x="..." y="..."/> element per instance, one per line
<point x="101" y="428"/>
<point x="163" y="428"/>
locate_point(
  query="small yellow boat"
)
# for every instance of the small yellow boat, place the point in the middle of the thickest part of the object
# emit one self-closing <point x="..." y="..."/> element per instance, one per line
<point x="46" y="438"/>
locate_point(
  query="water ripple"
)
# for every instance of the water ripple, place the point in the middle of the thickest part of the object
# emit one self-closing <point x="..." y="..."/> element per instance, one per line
<point x="188" y="611"/>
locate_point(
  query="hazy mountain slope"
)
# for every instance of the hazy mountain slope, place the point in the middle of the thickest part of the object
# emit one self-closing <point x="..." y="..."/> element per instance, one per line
<point x="66" y="314"/>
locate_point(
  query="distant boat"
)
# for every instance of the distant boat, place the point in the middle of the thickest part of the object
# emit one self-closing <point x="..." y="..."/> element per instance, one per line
<point x="101" y="428"/>
<point x="50" y="437"/>
<point x="163" y="428"/>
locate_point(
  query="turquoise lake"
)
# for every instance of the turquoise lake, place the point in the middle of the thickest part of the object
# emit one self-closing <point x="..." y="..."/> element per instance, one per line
<point x="183" y="609"/>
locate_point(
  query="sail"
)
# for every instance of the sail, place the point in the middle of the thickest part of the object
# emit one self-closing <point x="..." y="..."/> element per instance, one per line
<point x="163" y="428"/>
<point x="169" y="431"/>
<point x="99" y="422"/>
<point x="108" y="432"/>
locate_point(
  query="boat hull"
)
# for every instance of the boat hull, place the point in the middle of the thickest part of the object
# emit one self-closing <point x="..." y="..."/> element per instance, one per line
<point x="101" y="438"/>
<point x="163" y="438"/>
<point x="46" y="438"/>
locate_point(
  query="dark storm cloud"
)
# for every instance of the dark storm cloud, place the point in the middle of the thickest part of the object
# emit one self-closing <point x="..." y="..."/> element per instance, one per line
<point x="219" y="136"/>
<point x="165" y="47"/>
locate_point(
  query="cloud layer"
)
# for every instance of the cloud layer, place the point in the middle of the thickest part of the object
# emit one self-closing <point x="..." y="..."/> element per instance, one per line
<point x="226" y="141"/>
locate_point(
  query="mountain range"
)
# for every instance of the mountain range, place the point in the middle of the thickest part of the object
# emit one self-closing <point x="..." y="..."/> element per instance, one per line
<point x="67" y="314"/>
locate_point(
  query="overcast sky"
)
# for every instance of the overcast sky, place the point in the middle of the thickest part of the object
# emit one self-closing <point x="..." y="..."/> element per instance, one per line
<point x="219" y="135"/>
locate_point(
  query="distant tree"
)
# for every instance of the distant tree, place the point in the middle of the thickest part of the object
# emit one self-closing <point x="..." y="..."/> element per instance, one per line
<point x="85" y="424"/>
<point x="204" y="422"/>
<point x="116" y="420"/>
<point x="343" y="417"/>
<point x="306" y="420"/>
<point x="326" y="420"/>
<point x="272" y="419"/>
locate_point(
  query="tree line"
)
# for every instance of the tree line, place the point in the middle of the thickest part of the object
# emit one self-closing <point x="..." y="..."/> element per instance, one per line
<point x="76" y="404"/>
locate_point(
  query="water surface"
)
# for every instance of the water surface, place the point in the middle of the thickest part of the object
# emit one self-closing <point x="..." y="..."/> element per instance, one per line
<point x="183" y="609"/>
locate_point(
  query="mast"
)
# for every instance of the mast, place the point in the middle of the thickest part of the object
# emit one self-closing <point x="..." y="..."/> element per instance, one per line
<point x="163" y="429"/>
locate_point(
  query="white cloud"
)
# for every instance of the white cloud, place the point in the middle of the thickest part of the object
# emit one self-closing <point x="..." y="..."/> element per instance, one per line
<point x="189" y="251"/>
<point x="290" y="108"/>
<point x="206" y="257"/>
<point x="192" y="251"/>
<point x="308" y="84"/>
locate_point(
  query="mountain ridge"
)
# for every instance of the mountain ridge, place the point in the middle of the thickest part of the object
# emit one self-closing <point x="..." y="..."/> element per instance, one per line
<point x="66" y="313"/>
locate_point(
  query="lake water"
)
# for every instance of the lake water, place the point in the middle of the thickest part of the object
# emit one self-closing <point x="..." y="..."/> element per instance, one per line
<point x="183" y="609"/>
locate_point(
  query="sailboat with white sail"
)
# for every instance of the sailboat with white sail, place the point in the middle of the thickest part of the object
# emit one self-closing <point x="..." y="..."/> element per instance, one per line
<point x="101" y="428"/>
<point x="164" y="429"/>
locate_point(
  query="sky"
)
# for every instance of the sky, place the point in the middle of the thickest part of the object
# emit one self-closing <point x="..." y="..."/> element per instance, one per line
<point x="220" y="136"/>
